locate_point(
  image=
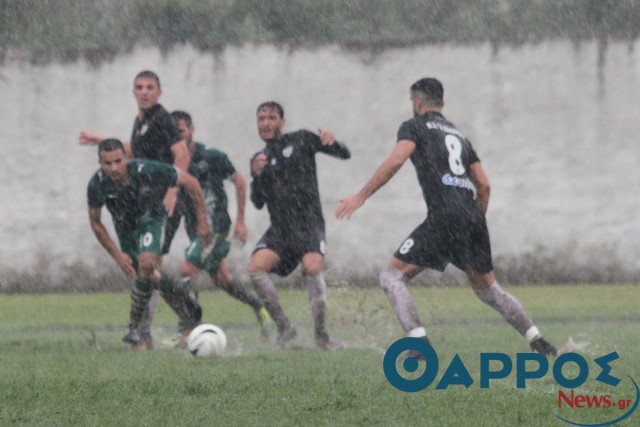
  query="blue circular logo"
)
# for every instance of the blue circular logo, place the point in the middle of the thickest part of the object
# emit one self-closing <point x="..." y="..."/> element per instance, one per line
<point x="410" y="364"/>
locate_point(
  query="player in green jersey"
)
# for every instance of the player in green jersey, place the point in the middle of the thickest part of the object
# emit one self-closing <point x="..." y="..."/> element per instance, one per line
<point x="133" y="191"/>
<point x="211" y="168"/>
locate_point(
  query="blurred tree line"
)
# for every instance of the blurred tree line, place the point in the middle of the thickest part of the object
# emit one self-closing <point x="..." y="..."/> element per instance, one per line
<point x="46" y="30"/>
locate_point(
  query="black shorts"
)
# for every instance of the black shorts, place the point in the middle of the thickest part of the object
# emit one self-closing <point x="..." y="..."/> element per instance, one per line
<point x="463" y="242"/>
<point x="291" y="246"/>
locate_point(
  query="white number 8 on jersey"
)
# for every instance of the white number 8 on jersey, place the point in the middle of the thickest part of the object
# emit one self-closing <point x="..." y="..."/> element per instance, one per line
<point x="455" y="154"/>
<point x="406" y="246"/>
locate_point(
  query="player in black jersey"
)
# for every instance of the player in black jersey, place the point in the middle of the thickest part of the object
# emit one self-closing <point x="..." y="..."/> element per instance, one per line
<point x="456" y="190"/>
<point x="155" y="135"/>
<point x="285" y="180"/>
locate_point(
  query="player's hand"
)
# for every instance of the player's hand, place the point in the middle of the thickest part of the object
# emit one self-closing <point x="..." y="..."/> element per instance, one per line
<point x="205" y="233"/>
<point x="240" y="231"/>
<point x="125" y="263"/>
<point x="170" y="200"/>
<point x="348" y="206"/>
<point x="326" y="137"/>
<point x="258" y="164"/>
<point x="89" y="138"/>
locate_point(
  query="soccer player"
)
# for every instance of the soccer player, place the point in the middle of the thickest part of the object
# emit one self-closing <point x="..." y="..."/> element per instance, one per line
<point x="456" y="190"/>
<point x="211" y="168"/>
<point x="154" y="136"/>
<point x="132" y="191"/>
<point x="285" y="180"/>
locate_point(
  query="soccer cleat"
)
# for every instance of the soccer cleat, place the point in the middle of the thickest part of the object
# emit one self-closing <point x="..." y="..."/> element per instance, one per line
<point x="182" y="341"/>
<point x="191" y="300"/>
<point x="415" y="354"/>
<point x="265" y="321"/>
<point x="542" y="346"/>
<point x="326" y="344"/>
<point x="143" y="345"/>
<point x="286" y="335"/>
<point x="132" y="336"/>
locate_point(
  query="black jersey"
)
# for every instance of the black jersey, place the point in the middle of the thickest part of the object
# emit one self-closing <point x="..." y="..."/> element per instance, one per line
<point x="289" y="183"/>
<point x="153" y="136"/>
<point x="441" y="158"/>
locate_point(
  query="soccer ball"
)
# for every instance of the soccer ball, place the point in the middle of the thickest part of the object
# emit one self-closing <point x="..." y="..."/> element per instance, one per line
<point x="207" y="340"/>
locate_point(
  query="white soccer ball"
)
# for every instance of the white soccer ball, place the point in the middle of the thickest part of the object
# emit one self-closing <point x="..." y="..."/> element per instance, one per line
<point x="207" y="340"/>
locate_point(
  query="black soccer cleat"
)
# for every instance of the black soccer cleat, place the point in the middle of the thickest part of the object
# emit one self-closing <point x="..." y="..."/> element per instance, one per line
<point x="286" y="335"/>
<point x="542" y="346"/>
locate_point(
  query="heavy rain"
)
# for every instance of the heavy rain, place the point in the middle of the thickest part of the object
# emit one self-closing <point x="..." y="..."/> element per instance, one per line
<point x="542" y="92"/>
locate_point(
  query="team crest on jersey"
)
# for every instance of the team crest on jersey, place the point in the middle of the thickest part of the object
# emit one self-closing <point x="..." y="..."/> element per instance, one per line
<point x="287" y="151"/>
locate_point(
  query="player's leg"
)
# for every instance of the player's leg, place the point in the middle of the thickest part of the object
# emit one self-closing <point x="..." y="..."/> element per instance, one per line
<point x="183" y="300"/>
<point x="138" y="336"/>
<point x="317" y="293"/>
<point x="474" y="255"/>
<point x="261" y="263"/>
<point x="393" y="281"/>
<point x="171" y="227"/>
<point x="491" y="293"/>
<point x="225" y="280"/>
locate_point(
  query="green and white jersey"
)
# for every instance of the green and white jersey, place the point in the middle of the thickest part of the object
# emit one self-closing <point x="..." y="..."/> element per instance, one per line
<point x="137" y="202"/>
<point x="210" y="167"/>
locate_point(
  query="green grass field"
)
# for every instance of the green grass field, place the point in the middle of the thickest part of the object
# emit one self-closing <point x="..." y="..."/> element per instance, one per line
<point x="62" y="362"/>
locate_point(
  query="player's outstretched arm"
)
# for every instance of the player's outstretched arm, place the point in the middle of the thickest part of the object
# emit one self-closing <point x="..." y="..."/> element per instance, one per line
<point x="99" y="230"/>
<point x="91" y="139"/>
<point x="381" y="176"/>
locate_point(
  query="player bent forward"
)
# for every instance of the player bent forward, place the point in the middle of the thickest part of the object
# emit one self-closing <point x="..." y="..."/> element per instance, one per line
<point x="132" y="191"/>
<point x="456" y="190"/>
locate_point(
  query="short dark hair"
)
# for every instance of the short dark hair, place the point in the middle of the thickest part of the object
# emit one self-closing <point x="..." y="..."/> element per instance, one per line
<point x="149" y="74"/>
<point x="182" y="115"/>
<point x="430" y="89"/>
<point x="272" y="104"/>
<point x="110" y="144"/>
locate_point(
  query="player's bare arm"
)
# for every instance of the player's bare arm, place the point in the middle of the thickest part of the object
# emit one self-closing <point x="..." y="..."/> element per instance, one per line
<point x="381" y="176"/>
<point x="192" y="186"/>
<point x="481" y="181"/>
<point x="239" y="227"/>
<point x="91" y="139"/>
<point x="99" y="230"/>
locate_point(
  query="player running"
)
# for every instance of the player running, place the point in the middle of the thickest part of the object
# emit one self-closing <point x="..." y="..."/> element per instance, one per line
<point x="132" y="191"/>
<point x="456" y="190"/>
<point x="285" y="180"/>
<point x="211" y="168"/>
